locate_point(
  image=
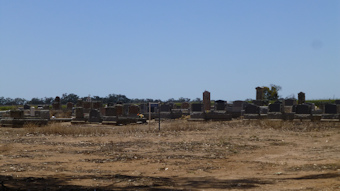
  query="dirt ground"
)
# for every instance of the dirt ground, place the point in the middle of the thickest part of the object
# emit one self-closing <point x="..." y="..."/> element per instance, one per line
<point x="236" y="155"/>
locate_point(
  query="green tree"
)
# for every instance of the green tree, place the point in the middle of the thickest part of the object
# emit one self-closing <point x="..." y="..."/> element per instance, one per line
<point x="69" y="98"/>
<point x="272" y="92"/>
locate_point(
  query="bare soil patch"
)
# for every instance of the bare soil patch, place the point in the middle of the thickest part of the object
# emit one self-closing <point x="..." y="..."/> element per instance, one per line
<point x="235" y="155"/>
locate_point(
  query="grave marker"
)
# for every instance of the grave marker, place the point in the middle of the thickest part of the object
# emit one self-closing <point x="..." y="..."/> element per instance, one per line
<point x="206" y="101"/>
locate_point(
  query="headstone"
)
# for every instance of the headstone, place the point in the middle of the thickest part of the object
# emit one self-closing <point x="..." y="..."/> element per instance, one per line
<point x="258" y="102"/>
<point x="220" y="105"/>
<point x="43" y="114"/>
<point x="289" y="102"/>
<point x="165" y="108"/>
<point x="206" y="101"/>
<point x="57" y="99"/>
<point x="303" y="109"/>
<point x="330" y="109"/>
<point x="252" y="109"/>
<point x="110" y="111"/>
<point x="312" y="105"/>
<point x="154" y="108"/>
<point x="69" y="105"/>
<point x="259" y="93"/>
<point x="119" y="109"/>
<point x="126" y="109"/>
<point x="143" y="108"/>
<point x="97" y="104"/>
<point x="185" y="105"/>
<point x="27" y="106"/>
<point x="102" y="111"/>
<point x="133" y="110"/>
<point x="16" y="114"/>
<point x="79" y="103"/>
<point x="301" y="98"/>
<point x="87" y="105"/>
<point x="94" y="116"/>
<point x="275" y="107"/>
<point x="238" y="106"/>
<point x="32" y="112"/>
<point x="110" y="104"/>
<point x="79" y="112"/>
<point x="56" y="105"/>
<point x="337" y="102"/>
<point x="196" y="107"/>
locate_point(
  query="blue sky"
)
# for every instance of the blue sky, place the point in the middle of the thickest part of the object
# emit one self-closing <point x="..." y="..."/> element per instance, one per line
<point x="169" y="49"/>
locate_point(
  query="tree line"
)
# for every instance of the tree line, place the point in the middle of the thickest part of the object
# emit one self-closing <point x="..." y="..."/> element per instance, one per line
<point x="111" y="98"/>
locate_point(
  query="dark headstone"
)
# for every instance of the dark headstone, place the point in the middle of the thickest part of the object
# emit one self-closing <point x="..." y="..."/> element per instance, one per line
<point x="97" y="104"/>
<point x="153" y="108"/>
<point x="69" y="105"/>
<point x="258" y="102"/>
<point x="165" y="108"/>
<point x="303" y="109"/>
<point x="126" y="109"/>
<point x="143" y="108"/>
<point x="16" y="114"/>
<point x="330" y="108"/>
<point x="79" y="112"/>
<point x="238" y="106"/>
<point x="259" y="93"/>
<point x="94" y="116"/>
<point x="206" y="101"/>
<point x="119" y="109"/>
<point x="57" y="99"/>
<point x="110" y="104"/>
<point x="110" y="111"/>
<point x="79" y="103"/>
<point x="196" y="107"/>
<point x="220" y="105"/>
<point x="275" y="107"/>
<point x="289" y="102"/>
<point x="87" y="105"/>
<point x="27" y="106"/>
<point x="337" y="102"/>
<point x="312" y="105"/>
<point x="252" y="109"/>
<point x="56" y="106"/>
<point x="133" y="110"/>
<point x="301" y="98"/>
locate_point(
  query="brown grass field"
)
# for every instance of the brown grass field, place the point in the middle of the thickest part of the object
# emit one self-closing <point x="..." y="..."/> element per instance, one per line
<point x="235" y="155"/>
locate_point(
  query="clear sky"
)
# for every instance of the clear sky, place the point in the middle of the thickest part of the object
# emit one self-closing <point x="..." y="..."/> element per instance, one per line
<point x="163" y="49"/>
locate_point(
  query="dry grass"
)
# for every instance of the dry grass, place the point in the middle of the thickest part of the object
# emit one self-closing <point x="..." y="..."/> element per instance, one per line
<point x="65" y="130"/>
<point x="304" y="126"/>
<point x="5" y="148"/>
<point x="173" y="126"/>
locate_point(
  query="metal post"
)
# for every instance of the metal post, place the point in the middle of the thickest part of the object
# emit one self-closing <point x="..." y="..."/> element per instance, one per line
<point x="149" y="114"/>
<point x="159" y="116"/>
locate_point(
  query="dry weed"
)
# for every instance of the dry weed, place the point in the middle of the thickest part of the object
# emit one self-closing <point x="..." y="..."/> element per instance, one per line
<point x="5" y="148"/>
<point x="66" y="130"/>
<point x="183" y="125"/>
<point x="299" y="126"/>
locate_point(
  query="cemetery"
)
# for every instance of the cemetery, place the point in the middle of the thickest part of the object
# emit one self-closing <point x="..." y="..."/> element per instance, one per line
<point x="283" y="144"/>
<point x="208" y="110"/>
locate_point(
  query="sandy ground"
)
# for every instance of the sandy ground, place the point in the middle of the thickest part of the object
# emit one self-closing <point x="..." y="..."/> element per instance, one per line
<point x="235" y="155"/>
